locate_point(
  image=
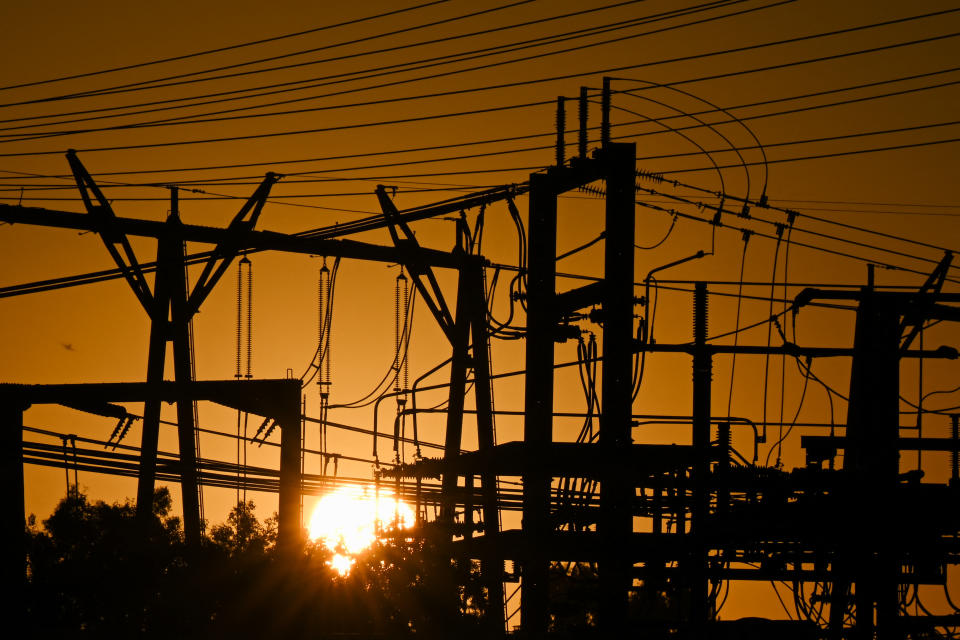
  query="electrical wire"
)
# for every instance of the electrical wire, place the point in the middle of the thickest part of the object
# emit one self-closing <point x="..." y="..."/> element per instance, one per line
<point x="140" y="65"/>
<point x="527" y="136"/>
<point x="435" y="76"/>
<point x="553" y="78"/>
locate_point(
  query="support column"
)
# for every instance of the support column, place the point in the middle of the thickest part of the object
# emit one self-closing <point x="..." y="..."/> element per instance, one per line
<point x="871" y="462"/>
<point x="289" y="532"/>
<point x="616" y="487"/>
<point x="156" y="357"/>
<point x="460" y="338"/>
<point x="492" y="563"/>
<point x="538" y="402"/>
<point x="11" y="467"/>
<point x="182" y="369"/>
<point x="700" y="610"/>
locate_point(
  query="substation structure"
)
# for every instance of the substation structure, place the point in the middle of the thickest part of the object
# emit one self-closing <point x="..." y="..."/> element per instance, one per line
<point x="708" y="516"/>
<point x="171" y="304"/>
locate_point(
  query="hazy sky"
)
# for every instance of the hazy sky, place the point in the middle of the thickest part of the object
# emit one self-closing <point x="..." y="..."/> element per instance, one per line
<point x="865" y="137"/>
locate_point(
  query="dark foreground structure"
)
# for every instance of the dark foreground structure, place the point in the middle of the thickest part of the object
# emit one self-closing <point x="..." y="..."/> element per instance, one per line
<point x="647" y="532"/>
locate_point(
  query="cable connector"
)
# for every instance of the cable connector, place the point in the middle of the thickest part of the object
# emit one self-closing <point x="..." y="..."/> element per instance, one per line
<point x="650" y="175"/>
<point x="263" y="425"/>
<point x="273" y="425"/>
<point x="716" y="217"/>
<point x="594" y="191"/>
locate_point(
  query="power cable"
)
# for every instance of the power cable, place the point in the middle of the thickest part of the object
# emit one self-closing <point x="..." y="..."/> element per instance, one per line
<point x="158" y="83"/>
<point x="780" y="226"/>
<point x="432" y="77"/>
<point x="140" y="65"/>
<point x="652" y="63"/>
<point x="551" y="134"/>
<point x="241" y="181"/>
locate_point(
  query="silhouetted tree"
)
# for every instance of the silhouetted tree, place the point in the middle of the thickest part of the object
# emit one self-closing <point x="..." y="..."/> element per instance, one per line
<point x="243" y="533"/>
<point x="93" y="573"/>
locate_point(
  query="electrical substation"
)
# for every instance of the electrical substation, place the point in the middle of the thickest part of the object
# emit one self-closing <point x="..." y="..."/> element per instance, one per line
<point x="680" y="519"/>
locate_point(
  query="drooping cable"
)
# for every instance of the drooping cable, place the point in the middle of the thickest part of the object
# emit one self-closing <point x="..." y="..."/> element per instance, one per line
<point x="325" y="283"/>
<point x="401" y="381"/>
<point x="736" y="326"/>
<point x="244" y="356"/>
<point x="193" y="403"/>
<point x="730" y="115"/>
<point x="196" y="54"/>
<point x="766" y="357"/>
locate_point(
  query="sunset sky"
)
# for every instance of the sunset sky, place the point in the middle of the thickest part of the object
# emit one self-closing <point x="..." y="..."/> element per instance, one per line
<point x="855" y="105"/>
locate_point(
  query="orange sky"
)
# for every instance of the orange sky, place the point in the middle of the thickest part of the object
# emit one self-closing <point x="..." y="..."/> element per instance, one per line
<point x="99" y="332"/>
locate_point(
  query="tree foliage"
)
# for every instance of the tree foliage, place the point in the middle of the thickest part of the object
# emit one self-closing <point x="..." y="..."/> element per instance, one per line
<point x="94" y="572"/>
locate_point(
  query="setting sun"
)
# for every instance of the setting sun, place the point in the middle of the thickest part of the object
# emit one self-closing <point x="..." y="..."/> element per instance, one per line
<point x="347" y="519"/>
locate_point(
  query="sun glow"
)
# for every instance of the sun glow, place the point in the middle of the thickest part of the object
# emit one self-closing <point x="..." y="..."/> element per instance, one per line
<point x="346" y="521"/>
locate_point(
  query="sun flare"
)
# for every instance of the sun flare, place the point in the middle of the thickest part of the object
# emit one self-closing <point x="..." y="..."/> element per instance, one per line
<point x="346" y="522"/>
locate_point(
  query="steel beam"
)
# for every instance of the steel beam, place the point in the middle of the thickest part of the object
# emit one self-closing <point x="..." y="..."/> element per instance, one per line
<point x="538" y="399"/>
<point x="616" y="488"/>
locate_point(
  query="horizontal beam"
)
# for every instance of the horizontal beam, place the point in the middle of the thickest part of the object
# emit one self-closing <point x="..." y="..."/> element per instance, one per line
<point x="908" y="444"/>
<point x="261" y="397"/>
<point x="788" y="348"/>
<point x="243" y="240"/>
<point x="562" y="459"/>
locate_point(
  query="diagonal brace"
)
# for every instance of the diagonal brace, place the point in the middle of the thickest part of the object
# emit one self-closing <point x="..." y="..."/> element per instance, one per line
<point x="416" y="266"/>
<point x="228" y="248"/>
<point x="104" y="218"/>
<point x="912" y="322"/>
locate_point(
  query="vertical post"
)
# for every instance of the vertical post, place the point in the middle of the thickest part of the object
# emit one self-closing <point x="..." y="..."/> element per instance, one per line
<point x="723" y="467"/>
<point x="538" y="401"/>
<point x="561" y="130"/>
<point x="617" y="491"/>
<point x="288" y="516"/>
<point x="871" y="462"/>
<point x="605" y="113"/>
<point x="582" y="113"/>
<point x="11" y="466"/>
<point x="182" y="358"/>
<point x="458" y="381"/>
<point x="156" y="357"/>
<point x="955" y="453"/>
<point x="492" y="562"/>
<point x="702" y="375"/>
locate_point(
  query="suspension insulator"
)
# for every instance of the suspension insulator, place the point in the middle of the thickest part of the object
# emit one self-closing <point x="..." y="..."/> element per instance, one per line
<point x="244" y="318"/>
<point x="324" y="283"/>
<point x="401" y="299"/>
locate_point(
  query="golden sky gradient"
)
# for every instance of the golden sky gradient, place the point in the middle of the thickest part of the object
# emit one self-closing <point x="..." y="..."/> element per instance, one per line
<point x="865" y="137"/>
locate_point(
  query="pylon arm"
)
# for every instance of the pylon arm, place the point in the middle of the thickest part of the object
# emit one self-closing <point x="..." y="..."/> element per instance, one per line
<point x="410" y="248"/>
<point x="228" y="248"/>
<point x="104" y="225"/>
<point x="912" y="323"/>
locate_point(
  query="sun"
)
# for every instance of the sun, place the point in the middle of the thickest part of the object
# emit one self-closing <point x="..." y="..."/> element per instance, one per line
<point x="347" y="519"/>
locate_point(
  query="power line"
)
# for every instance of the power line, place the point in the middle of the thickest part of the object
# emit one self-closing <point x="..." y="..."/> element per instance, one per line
<point x="814" y="247"/>
<point x="310" y="81"/>
<point x="233" y="181"/>
<point x="822" y="156"/>
<point x="524" y="105"/>
<point x="539" y="167"/>
<point x="140" y="65"/>
<point x="550" y="134"/>
<point x="199" y="118"/>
